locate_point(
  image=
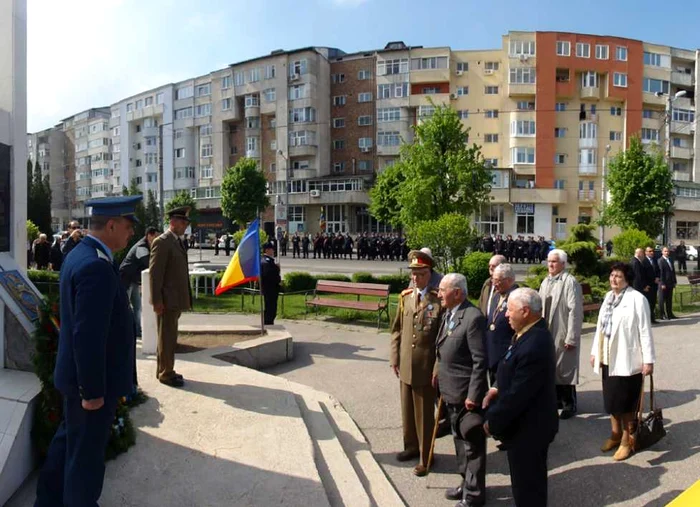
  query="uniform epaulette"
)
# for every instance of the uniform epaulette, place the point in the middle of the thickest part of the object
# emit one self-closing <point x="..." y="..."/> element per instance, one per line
<point x="406" y="292"/>
<point x="103" y="256"/>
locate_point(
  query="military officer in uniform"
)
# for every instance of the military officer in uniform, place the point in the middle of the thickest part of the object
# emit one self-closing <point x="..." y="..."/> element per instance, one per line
<point x="170" y="291"/>
<point x="95" y="361"/>
<point x="270" y="281"/>
<point x="412" y="359"/>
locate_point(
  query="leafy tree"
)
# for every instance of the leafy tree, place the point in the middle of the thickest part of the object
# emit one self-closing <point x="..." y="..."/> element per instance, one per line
<point x="625" y="243"/>
<point x="441" y="174"/>
<point x="449" y="237"/>
<point x="384" y="204"/>
<point x="238" y="237"/>
<point x="475" y="267"/>
<point x="32" y="231"/>
<point x="152" y="216"/>
<point x="244" y="192"/>
<point x="184" y="199"/>
<point x="641" y="189"/>
<point x="39" y="199"/>
<point x="581" y="249"/>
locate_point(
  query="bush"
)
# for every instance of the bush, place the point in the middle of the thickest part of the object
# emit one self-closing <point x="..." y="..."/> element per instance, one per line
<point x="238" y="236"/>
<point x="537" y="275"/>
<point x="42" y="276"/>
<point x="625" y="243"/>
<point x="475" y="267"/>
<point x="396" y="283"/>
<point x="333" y="277"/>
<point x="363" y="277"/>
<point x="298" y="281"/>
<point x="449" y="237"/>
<point x="32" y="231"/>
<point x="581" y="250"/>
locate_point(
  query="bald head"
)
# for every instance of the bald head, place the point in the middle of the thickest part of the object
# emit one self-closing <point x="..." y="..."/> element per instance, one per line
<point x="495" y="261"/>
<point x="639" y="254"/>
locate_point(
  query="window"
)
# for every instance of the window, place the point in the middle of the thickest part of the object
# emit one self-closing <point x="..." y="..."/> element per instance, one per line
<point x="273" y="144"/>
<point x="559" y="132"/>
<point x="204" y="89"/>
<point x="522" y="75"/>
<point x="138" y="163"/>
<point x="491" y="162"/>
<point x="295" y="214"/>
<point x="129" y="107"/>
<point x="226" y="82"/>
<point x="179" y="133"/>
<point x="183" y="113"/>
<point x="491" y="113"/>
<point x="150" y="123"/>
<point x="239" y="78"/>
<point x="588" y="130"/>
<point x="390" y="91"/>
<point x="462" y="90"/>
<point x="203" y="110"/>
<point x="388" y="67"/>
<point x="184" y="93"/>
<point x="115" y="131"/>
<point x="298" y="92"/>
<point x="252" y="100"/>
<point x="388" y="138"/>
<point x="490" y="138"/>
<point x="687" y="230"/>
<point x="206" y="151"/>
<point x="179" y="152"/>
<point x="139" y="103"/>
<point x="525" y="218"/>
<point x="251" y="144"/>
<point x="647" y="114"/>
<point x="160" y="98"/>
<point x="364" y="165"/>
<point x="270" y="95"/>
<point x="364" y="74"/>
<point x="491" y="66"/>
<point x="365" y="142"/>
<point x="302" y="138"/>
<point x="269" y="71"/>
<point x="463" y="114"/>
<point x="653" y="59"/>
<point x="615" y="135"/>
<point x="429" y="63"/>
<point x="524" y="105"/>
<point x="338" y="78"/>
<point x="587" y="157"/>
<point x="684" y="115"/>
<point x="650" y="135"/>
<point x="338" y="144"/>
<point x="655" y="86"/>
<point x="560" y="106"/>
<point x="583" y="50"/>
<point x="206" y="172"/>
<point x="365" y="97"/>
<point x="491" y="90"/>
<point x="562" y="75"/>
<point x="681" y="167"/>
<point x="426" y="111"/>
<point x="226" y="104"/>
<point x="522" y="128"/>
<point x="559" y="158"/>
<point x="526" y="48"/>
<point x="138" y="128"/>
<point x="363" y="121"/>
<point x="589" y="79"/>
<point x="615" y="111"/>
<point x="621" y="53"/>
<point x="462" y="66"/>
<point x="563" y="48"/>
<point x="205" y="130"/>
<point x="521" y="155"/>
<point x="620" y="79"/>
<point x="148" y="101"/>
<point x="339" y="100"/>
<point x="300" y="164"/>
<point x="302" y="115"/>
<point x="254" y="75"/>
<point x="679" y="142"/>
<point x="601" y="51"/>
<point x="297" y="68"/>
<point x="387" y="114"/>
<point x="491" y="219"/>
<point x="273" y="167"/>
<point x="338" y="167"/>
<point x="338" y="123"/>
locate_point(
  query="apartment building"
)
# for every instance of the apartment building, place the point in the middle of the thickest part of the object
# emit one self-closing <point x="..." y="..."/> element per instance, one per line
<point x="548" y="109"/>
<point x="46" y="148"/>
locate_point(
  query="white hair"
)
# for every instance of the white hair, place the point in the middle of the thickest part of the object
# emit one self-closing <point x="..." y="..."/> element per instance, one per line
<point x="506" y="270"/>
<point x="456" y="280"/>
<point x="527" y="297"/>
<point x="498" y="259"/>
<point x="561" y="254"/>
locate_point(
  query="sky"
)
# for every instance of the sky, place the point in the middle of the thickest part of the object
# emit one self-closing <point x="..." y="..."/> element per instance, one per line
<point x="92" y="53"/>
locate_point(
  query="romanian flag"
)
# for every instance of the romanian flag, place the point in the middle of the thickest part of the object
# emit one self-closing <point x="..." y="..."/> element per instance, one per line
<point x="245" y="265"/>
<point x="322" y="220"/>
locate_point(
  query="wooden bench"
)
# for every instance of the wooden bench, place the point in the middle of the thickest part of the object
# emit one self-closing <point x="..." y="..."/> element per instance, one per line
<point x="694" y="281"/>
<point x="379" y="291"/>
<point x="589" y="306"/>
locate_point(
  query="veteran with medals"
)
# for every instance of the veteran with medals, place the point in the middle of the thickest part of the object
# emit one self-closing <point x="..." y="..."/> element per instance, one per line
<point x="412" y="360"/>
<point x="499" y="334"/>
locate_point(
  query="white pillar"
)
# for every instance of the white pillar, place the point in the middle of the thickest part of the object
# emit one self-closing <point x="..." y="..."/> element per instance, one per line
<point x="149" y="329"/>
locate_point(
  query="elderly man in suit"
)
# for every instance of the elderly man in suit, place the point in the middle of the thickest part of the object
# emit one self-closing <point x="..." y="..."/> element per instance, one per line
<point x="412" y="360"/>
<point x="487" y="289"/>
<point x="563" y="312"/>
<point x="95" y="361"/>
<point x="170" y="291"/>
<point x="499" y="334"/>
<point x="651" y="267"/>
<point x="667" y="277"/>
<point x="463" y="384"/>
<point x="522" y="406"/>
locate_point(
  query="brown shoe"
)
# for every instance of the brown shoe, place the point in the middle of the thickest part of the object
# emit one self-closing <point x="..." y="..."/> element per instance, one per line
<point x="420" y="471"/>
<point x="610" y="444"/>
<point x="407" y="455"/>
<point x="623" y="452"/>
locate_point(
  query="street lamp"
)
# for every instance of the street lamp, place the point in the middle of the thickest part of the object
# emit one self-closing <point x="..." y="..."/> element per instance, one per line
<point x="603" y="195"/>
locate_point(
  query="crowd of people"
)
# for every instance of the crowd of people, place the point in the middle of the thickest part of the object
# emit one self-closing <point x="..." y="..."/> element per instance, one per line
<point x="532" y="250"/>
<point x="369" y="246"/>
<point x="508" y="368"/>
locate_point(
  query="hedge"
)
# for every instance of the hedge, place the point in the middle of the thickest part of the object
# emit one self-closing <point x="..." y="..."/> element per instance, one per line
<point x="475" y="268"/>
<point x="299" y="281"/>
<point x="43" y="276"/>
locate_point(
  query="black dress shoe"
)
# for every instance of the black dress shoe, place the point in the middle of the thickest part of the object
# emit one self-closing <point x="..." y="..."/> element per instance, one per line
<point x="454" y="493"/>
<point x="173" y="382"/>
<point x="420" y="471"/>
<point x="407" y="455"/>
<point x="567" y="413"/>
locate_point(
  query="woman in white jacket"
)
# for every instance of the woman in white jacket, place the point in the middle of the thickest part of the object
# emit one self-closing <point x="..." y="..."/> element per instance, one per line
<point x="623" y="350"/>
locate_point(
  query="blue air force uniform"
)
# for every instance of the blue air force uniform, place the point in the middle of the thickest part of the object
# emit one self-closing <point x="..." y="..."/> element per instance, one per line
<point x="95" y="360"/>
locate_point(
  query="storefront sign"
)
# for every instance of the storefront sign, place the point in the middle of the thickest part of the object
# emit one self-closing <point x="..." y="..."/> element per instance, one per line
<point x="524" y="209"/>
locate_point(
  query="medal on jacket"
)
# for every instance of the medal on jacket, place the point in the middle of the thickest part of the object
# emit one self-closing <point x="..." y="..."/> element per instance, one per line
<point x="492" y="327"/>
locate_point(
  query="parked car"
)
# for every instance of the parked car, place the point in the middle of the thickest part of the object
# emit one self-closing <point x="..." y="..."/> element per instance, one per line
<point x="691" y="253"/>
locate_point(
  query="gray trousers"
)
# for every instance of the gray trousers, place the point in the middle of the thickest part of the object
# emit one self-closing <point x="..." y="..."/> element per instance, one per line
<point x="471" y="457"/>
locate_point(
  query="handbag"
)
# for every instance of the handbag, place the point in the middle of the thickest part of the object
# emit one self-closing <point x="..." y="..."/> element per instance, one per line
<point x="650" y="429"/>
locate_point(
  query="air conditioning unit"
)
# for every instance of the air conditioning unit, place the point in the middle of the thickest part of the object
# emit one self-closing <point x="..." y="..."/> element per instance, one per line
<point x="523" y="58"/>
<point x="453" y="96"/>
<point x="294" y="77"/>
<point x="365" y="150"/>
<point x="315" y="193"/>
<point x="488" y="72"/>
<point x="459" y="72"/>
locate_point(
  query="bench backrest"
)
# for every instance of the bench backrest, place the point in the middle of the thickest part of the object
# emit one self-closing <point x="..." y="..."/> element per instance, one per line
<point x="360" y="289"/>
<point x="586" y="289"/>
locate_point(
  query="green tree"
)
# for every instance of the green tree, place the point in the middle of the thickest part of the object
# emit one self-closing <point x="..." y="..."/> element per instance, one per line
<point x="152" y="216"/>
<point x="184" y="199"/>
<point x="641" y="189"/>
<point x="39" y="200"/>
<point x="244" y="192"/>
<point x="32" y="231"/>
<point x="441" y="173"/>
<point x="449" y="237"/>
<point x="30" y="184"/>
<point x="238" y="237"/>
<point x="383" y="196"/>
<point x="581" y="249"/>
<point x="625" y="243"/>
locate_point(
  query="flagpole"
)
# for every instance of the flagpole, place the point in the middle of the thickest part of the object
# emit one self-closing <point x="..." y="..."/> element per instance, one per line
<point x="260" y="284"/>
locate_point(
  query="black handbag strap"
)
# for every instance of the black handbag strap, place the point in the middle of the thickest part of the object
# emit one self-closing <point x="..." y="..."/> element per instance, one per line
<point x="640" y="405"/>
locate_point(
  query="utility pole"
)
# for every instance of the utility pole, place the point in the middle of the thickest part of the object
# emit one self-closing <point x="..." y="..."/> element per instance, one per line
<point x="160" y="172"/>
<point x="603" y="195"/>
<point x="669" y="117"/>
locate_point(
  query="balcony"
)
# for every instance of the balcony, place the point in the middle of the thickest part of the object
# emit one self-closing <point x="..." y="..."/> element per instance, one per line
<point x="538" y="195"/>
<point x="303" y="150"/>
<point x="652" y="98"/>
<point x="391" y="151"/>
<point x="500" y="195"/>
<point x="587" y="170"/>
<point x="590" y="92"/>
<point x="682" y="79"/>
<point x="145" y="112"/>
<point x="344" y="197"/>
<point x="682" y="127"/>
<point x="114" y="121"/>
<point x="680" y="152"/>
<point x="255" y="153"/>
<point x="524" y="169"/>
<point x="586" y="195"/>
<point x="681" y="176"/>
<point x="252" y="111"/>
<point x="423" y="99"/>
<point x="430" y="76"/>
<point x="521" y="90"/>
<point x="150" y="131"/>
<point x="587" y="143"/>
<point x="682" y="102"/>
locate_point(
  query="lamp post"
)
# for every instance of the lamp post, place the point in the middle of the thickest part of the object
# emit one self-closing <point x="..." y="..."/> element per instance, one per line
<point x="669" y="114"/>
<point x="603" y="195"/>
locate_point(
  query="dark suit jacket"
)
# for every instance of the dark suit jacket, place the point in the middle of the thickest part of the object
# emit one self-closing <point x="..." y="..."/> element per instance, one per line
<point x="667" y="274"/>
<point x="652" y="266"/>
<point x="499" y="339"/>
<point x="525" y="412"/>
<point x="461" y="356"/>
<point x="270" y="276"/>
<point x="169" y="273"/>
<point x="640" y="278"/>
<point x="96" y="342"/>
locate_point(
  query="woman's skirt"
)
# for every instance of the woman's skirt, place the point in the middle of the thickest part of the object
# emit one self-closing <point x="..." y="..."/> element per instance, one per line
<point x="621" y="394"/>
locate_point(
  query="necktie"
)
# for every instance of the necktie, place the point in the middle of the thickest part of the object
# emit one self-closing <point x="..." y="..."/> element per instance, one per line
<point x="418" y="298"/>
<point x="494" y="304"/>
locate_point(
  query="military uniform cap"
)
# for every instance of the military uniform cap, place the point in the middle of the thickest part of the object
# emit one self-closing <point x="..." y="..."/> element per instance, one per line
<point x="122" y="206"/>
<point x="183" y="213"/>
<point x="418" y="259"/>
<point x="268" y="246"/>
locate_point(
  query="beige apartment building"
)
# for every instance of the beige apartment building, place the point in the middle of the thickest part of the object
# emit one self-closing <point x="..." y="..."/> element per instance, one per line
<point x="548" y="109"/>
